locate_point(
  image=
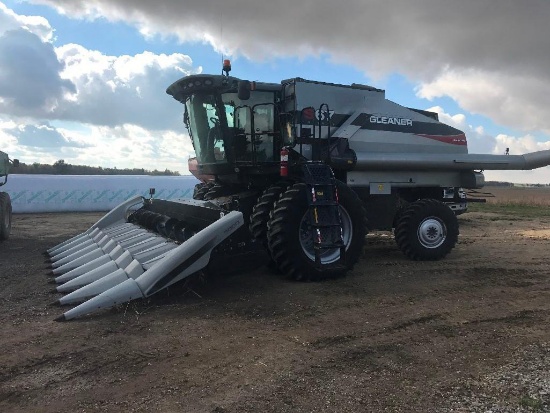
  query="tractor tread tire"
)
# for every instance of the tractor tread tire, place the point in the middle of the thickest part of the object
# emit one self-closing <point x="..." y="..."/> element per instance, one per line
<point x="283" y="235"/>
<point x="200" y="190"/>
<point x="406" y="230"/>
<point x="262" y="209"/>
<point x="217" y="191"/>
<point x="5" y="216"/>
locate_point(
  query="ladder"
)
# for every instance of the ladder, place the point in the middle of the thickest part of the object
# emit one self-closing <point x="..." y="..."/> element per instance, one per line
<point x="324" y="213"/>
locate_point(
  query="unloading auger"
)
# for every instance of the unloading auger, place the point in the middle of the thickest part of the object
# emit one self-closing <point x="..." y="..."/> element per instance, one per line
<point x="134" y="253"/>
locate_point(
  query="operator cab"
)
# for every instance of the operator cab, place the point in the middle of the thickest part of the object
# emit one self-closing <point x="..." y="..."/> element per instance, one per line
<point x="230" y="131"/>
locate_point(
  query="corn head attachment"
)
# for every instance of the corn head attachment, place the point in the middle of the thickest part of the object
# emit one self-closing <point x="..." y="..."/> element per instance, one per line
<point x="135" y="251"/>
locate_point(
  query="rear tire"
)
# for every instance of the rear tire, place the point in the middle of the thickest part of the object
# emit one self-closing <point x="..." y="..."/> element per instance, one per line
<point x="288" y="235"/>
<point x="427" y="230"/>
<point x="5" y="216"/>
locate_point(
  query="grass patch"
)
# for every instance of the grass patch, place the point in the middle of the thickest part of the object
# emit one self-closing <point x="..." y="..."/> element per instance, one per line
<point x="512" y="208"/>
<point x="530" y="402"/>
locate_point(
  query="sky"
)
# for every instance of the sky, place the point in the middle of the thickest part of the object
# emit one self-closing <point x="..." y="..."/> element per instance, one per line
<point x="85" y="80"/>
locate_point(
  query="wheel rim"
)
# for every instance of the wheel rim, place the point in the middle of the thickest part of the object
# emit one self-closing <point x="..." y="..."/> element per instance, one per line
<point x="432" y="232"/>
<point x="327" y="256"/>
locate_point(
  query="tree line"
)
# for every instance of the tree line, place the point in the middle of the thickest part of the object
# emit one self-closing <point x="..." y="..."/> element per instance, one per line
<point x="61" y="167"/>
<point x="510" y="184"/>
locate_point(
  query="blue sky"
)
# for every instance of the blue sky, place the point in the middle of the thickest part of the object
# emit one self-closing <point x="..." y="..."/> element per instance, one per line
<point x="104" y="66"/>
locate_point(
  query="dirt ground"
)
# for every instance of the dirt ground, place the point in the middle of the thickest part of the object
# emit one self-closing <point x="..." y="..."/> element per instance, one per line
<point x="468" y="333"/>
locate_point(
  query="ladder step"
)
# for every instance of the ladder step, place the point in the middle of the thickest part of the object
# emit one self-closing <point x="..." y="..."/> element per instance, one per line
<point x="324" y="203"/>
<point x="320" y="216"/>
<point x="325" y="225"/>
<point x="329" y="236"/>
<point x="327" y="246"/>
<point x="324" y="212"/>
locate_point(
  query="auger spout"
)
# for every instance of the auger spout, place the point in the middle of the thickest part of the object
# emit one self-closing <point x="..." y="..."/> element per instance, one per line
<point x="140" y="280"/>
<point x="374" y="161"/>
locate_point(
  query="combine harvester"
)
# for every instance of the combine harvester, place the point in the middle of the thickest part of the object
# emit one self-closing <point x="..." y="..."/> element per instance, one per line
<point x="299" y="170"/>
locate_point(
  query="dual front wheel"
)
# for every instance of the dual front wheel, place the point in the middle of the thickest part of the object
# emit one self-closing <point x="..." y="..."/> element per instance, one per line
<point x="286" y="227"/>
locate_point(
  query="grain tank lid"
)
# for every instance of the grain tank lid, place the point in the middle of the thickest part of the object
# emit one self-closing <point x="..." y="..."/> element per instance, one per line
<point x="366" y="87"/>
<point x="427" y="113"/>
<point x="352" y="86"/>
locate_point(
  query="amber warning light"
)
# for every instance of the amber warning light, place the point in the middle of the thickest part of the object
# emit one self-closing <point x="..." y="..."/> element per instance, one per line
<point x="227" y="66"/>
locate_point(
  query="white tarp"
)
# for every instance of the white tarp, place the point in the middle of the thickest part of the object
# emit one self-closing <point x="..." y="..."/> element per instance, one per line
<point x="56" y="193"/>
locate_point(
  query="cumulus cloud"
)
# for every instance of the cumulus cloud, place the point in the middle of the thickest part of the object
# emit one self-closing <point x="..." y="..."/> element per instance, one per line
<point x="134" y="147"/>
<point x="72" y="83"/>
<point x="75" y="84"/>
<point x="498" y="51"/>
<point x="72" y="103"/>
<point x="478" y="140"/>
<point x="43" y="136"/>
<point x="409" y="36"/>
<point x="123" y="146"/>
<point x="519" y="102"/>
<point x="37" y="25"/>
<point x="30" y="81"/>
<point x="38" y="142"/>
<point x="115" y="90"/>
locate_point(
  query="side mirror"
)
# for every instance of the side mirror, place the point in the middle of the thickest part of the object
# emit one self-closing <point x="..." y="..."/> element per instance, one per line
<point x="15" y="162"/>
<point x="243" y="91"/>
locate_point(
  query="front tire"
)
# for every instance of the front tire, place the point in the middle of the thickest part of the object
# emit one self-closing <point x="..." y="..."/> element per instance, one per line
<point x="289" y="235"/>
<point x="5" y="216"/>
<point x="217" y="191"/>
<point x="262" y="210"/>
<point x="427" y="230"/>
<point x="200" y="190"/>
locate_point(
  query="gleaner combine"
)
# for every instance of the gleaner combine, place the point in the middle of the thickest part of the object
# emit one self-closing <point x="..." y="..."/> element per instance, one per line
<point x="299" y="170"/>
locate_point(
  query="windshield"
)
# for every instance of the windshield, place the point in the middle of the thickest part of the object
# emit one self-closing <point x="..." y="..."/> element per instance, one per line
<point x="248" y="127"/>
<point x="204" y="124"/>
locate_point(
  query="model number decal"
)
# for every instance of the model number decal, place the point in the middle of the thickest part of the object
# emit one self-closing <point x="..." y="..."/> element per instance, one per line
<point x="385" y="120"/>
<point x="322" y="115"/>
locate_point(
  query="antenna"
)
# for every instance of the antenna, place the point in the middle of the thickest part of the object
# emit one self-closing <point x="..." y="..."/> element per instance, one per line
<point x="226" y="63"/>
<point x="221" y="36"/>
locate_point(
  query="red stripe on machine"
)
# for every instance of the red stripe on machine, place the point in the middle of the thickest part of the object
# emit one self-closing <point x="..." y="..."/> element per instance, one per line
<point x="452" y="139"/>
